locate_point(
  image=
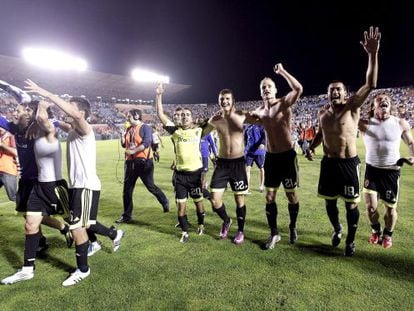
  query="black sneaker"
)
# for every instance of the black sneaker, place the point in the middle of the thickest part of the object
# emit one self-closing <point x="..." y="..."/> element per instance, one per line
<point x="350" y="249"/>
<point x="336" y="237"/>
<point x="166" y="208"/>
<point x="293" y="236"/>
<point x="122" y="220"/>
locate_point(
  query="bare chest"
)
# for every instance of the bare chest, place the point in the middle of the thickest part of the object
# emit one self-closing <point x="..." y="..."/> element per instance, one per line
<point x="338" y="123"/>
<point x="275" y="117"/>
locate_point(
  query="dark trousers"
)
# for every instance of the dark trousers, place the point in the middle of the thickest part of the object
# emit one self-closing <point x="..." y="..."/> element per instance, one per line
<point x="144" y="169"/>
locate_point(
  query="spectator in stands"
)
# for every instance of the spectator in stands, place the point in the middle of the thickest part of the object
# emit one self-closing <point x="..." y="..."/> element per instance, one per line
<point x="8" y="164"/>
<point x="382" y="135"/>
<point x="138" y="164"/>
<point x="403" y="113"/>
<point x="339" y="124"/>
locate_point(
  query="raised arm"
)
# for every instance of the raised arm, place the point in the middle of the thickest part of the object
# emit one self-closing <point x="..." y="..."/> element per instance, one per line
<point x="42" y="117"/>
<point x="294" y="84"/>
<point x="371" y="45"/>
<point x="79" y="122"/>
<point x="43" y="122"/>
<point x="158" y="104"/>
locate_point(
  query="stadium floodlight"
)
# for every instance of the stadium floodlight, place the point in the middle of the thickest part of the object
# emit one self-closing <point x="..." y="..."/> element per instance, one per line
<point x="52" y="59"/>
<point x="142" y="75"/>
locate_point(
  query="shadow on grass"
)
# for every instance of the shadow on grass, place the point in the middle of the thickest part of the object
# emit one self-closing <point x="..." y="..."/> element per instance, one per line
<point x="57" y="262"/>
<point x="319" y="249"/>
<point x="13" y="258"/>
<point x="260" y="243"/>
<point x="384" y="262"/>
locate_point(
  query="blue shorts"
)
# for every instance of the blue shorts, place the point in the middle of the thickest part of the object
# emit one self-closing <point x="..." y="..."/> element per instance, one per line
<point x="258" y="159"/>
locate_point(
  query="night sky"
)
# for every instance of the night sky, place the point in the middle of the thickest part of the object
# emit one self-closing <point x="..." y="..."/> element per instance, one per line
<point x="219" y="44"/>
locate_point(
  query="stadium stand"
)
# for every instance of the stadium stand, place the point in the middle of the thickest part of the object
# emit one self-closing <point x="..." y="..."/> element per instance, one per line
<point x="111" y="96"/>
<point x="88" y="83"/>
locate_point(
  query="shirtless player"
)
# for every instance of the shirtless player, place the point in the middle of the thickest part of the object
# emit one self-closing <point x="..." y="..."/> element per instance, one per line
<point x="339" y="174"/>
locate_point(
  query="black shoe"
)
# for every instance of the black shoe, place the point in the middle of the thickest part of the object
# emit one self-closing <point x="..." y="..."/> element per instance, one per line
<point x="293" y="236"/>
<point x="166" y="208"/>
<point x="350" y="249"/>
<point x="336" y="237"/>
<point x="122" y="220"/>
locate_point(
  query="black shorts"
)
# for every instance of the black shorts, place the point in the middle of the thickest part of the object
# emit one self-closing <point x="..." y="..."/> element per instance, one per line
<point x="188" y="183"/>
<point x="281" y="168"/>
<point x="259" y="159"/>
<point x="339" y="178"/>
<point x="83" y="206"/>
<point x="155" y="147"/>
<point x="24" y="189"/>
<point x="231" y="171"/>
<point x="385" y="182"/>
<point x="49" y="198"/>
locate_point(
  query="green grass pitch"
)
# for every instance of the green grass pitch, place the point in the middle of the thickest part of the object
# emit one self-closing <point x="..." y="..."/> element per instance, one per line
<point x="153" y="271"/>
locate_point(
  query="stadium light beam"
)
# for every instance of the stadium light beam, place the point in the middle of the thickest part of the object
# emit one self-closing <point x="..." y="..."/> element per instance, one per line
<point x="142" y="75"/>
<point x="53" y="59"/>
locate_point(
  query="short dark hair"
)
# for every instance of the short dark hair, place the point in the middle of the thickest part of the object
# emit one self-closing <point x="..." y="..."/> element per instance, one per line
<point x="136" y="114"/>
<point x="83" y="104"/>
<point x="228" y="91"/>
<point x="337" y="81"/>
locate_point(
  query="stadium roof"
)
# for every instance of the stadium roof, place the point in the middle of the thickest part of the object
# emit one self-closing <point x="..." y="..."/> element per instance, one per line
<point x="89" y="83"/>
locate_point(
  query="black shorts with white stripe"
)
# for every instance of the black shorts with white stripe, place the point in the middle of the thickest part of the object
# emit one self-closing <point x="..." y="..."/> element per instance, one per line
<point x="49" y="198"/>
<point x="83" y="207"/>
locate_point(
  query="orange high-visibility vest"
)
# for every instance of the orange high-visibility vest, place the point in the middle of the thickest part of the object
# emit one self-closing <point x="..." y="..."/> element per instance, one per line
<point x="134" y="139"/>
